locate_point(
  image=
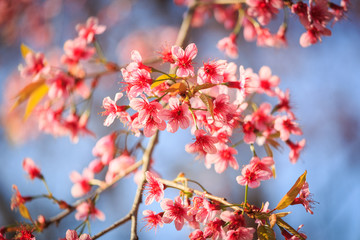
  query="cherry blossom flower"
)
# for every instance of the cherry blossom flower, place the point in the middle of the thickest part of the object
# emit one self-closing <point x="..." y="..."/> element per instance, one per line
<point x="36" y="66"/>
<point x="305" y="198"/>
<point x="257" y="170"/>
<point x="105" y="148"/>
<point x="90" y="29"/>
<point x="223" y="111"/>
<point x="249" y="30"/>
<point x="96" y="166"/>
<point x="183" y="59"/>
<point x="214" y="230"/>
<point x="212" y="72"/>
<point x="166" y="55"/>
<point x="50" y="121"/>
<point x="197" y="235"/>
<point x="148" y="116"/>
<point x="312" y="36"/>
<point x="226" y="14"/>
<point x="267" y="81"/>
<point x="88" y="209"/>
<point x="153" y="220"/>
<point x="203" y="143"/>
<point x="207" y="212"/>
<point x="155" y="188"/>
<point x="279" y="38"/>
<point x="3" y="236"/>
<point x="179" y="115"/>
<point x="284" y="102"/>
<point x="151" y="125"/>
<point x="286" y="127"/>
<point x="81" y="182"/>
<point x="234" y="220"/>
<point x="76" y="125"/>
<point x="23" y="233"/>
<point x="175" y="211"/>
<point x="112" y="110"/>
<point x="60" y="85"/>
<point x="240" y="233"/>
<point x="223" y="158"/>
<point x="76" y="50"/>
<point x="146" y="109"/>
<point x="264" y="37"/>
<point x="17" y="199"/>
<point x="314" y="17"/>
<point x="196" y="206"/>
<point x="248" y="129"/>
<point x="263" y="9"/>
<point x="262" y="117"/>
<point x="118" y="165"/>
<point x="138" y="82"/>
<point x="137" y="62"/>
<point x="295" y="149"/>
<point x="72" y="235"/>
<point x="30" y="167"/>
<point x="228" y="45"/>
<point x="230" y="72"/>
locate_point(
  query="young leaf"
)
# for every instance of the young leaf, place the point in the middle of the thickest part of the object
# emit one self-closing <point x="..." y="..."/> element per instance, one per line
<point x="284" y="225"/>
<point x="24" y="211"/>
<point x="26" y="92"/>
<point x="35" y="98"/>
<point x="25" y="50"/>
<point x="177" y="88"/>
<point x="161" y="79"/>
<point x="203" y="86"/>
<point x="292" y="193"/>
<point x="265" y="232"/>
<point x="208" y="103"/>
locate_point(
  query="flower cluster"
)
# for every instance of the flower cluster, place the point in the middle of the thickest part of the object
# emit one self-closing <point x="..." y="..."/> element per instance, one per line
<point x="213" y="103"/>
<point x="60" y="88"/>
<point x="213" y="100"/>
<point x="254" y="17"/>
<point x="208" y="217"/>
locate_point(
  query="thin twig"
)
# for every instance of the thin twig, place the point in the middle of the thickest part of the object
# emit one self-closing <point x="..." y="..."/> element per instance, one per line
<point x="113" y="226"/>
<point x="137" y="200"/>
<point x="200" y="193"/>
<point x="98" y="191"/>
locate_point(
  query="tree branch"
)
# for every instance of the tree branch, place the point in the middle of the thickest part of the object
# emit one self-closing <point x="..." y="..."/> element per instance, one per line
<point x="137" y="200"/>
<point x="98" y="191"/>
<point x="200" y="193"/>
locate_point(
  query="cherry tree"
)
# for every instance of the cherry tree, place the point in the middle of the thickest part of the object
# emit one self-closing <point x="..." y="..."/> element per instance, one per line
<point x="215" y="100"/>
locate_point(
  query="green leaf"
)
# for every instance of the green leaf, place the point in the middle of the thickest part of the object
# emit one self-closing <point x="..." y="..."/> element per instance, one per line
<point x="24" y="211"/>
<point x="35" y="98"/>
<point x="265" y="232"/>
<point x="208" y="103"/>
<point x="25" y="50"/>
<point x="292" y="193"/>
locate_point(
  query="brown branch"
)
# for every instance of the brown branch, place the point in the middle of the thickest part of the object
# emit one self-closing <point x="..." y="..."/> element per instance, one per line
<point x="185" y="25"/>
<point x="137" y="200"/>
<point x="200" y="193"/>
<point x="98" y="191"/>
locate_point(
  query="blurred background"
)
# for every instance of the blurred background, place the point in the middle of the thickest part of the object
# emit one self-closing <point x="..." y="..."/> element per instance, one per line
<point x="324" y="87"/>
